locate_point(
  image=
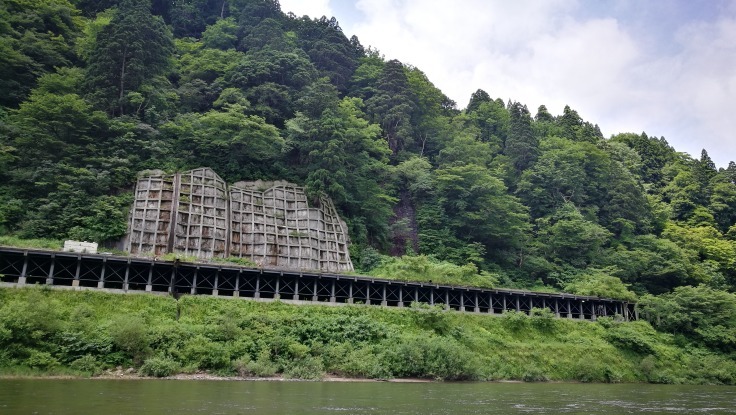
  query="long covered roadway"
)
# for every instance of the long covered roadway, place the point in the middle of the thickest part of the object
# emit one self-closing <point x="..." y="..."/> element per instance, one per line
<point x="20" y="267"/>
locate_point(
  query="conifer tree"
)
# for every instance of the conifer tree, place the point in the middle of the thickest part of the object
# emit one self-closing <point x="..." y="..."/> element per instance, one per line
<point x="134" y="49"/>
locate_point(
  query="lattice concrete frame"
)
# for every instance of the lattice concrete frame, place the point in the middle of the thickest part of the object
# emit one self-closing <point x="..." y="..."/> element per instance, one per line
<point x="273" y="225"/>
<point x="150" y="218"/>
<point x="195" y="213"/>
<point x="201" y="215"/>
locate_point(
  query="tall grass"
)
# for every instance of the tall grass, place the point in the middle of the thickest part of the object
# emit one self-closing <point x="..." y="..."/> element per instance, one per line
<point x="14" y="241"/>
<point x="46" y="331"/>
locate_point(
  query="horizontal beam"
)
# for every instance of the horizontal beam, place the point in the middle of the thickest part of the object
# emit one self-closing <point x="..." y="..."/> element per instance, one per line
<point x="30" y="266"/>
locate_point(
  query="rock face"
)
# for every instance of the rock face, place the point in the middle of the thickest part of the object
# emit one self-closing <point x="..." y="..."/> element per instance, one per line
<point x="196" y="213"/>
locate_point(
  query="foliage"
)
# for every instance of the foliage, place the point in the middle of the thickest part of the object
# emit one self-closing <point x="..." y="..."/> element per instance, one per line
<point x="428" y="269"/>
<point x="92" y="92"/>
<point x="87" y="333"/>
<point x="599" y="283"/>
<point x="159" y="367"/>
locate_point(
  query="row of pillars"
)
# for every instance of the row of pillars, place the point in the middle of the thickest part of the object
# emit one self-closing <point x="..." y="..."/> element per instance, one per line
<point x="313" y="287"/>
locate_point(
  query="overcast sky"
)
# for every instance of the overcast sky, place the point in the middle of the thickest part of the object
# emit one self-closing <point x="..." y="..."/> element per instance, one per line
<point x="667" y="68"/>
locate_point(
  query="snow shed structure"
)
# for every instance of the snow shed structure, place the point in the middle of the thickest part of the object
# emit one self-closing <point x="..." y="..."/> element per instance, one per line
<point x="272" y="224"/>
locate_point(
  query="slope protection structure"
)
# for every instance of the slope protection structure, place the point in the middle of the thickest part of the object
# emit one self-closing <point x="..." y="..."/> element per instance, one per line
<point x="195" y="213"/>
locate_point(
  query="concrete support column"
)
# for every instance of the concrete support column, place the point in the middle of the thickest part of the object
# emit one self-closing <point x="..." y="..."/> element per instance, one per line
<point x="101" y="282"/>
<point x="350" y="293"/>
<point x="518" y="304"/>
<point x="368" y="294"/>
<point x="24" y="270"/>
<point x="401" y="296"/>
<point x="476" y="306"/>
<point x="277" y="293"/>
<point x="172" y="280"/>
<point x="257" y="294"/>
<point x="447" y="300"/>
<point x="332" y="292"/>
<point x="75" y="282"/>
<point x="582" y="310"/>
<point x="149" y="283"/>
<point x="431" y="296"/>
<point x="50" y="277"/>
<point x="504" y="303"/>
<point x="557" y="308"/>
<point x="569" y="309"/>
<point x="194" y="281"/>
<point x="236" y="292"/>
<point x="592" y="311"/>
<point x="296" y="289"/>
<point x="314" y="292"/>
<point x="216" y="286"/>
<point x="126" y="278"/>
<point x="384" y="301"/>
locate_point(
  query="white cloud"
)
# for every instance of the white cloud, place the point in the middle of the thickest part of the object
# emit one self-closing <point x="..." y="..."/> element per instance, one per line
<point x="311" y="8"/>
<point x="546" y="53"/>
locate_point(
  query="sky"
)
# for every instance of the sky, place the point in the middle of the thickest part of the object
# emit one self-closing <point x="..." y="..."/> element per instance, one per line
<point x="667" y="68"/>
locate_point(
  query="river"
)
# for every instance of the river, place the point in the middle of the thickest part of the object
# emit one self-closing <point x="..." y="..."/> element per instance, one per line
<point x="140" y="397"/>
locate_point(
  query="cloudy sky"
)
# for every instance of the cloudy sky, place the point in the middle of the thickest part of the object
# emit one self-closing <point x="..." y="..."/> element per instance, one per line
<point x="664" y="67"/>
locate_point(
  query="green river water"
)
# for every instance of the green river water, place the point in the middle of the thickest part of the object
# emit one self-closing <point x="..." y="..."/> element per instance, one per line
<point x="139" y="397"/>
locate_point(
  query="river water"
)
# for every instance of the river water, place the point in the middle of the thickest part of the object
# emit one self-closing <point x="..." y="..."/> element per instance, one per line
<point x="139" y="397"/>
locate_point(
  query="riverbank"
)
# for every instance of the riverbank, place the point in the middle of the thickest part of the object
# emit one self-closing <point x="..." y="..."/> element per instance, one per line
<point x="88" y="333"/>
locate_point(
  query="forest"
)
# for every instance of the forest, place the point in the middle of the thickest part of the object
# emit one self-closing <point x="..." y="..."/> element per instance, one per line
<point x="495" y="193"/>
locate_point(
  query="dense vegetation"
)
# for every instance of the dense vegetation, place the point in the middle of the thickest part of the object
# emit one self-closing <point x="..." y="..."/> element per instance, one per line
<point x="93" y="91"/>
<point x="86" y="333"/>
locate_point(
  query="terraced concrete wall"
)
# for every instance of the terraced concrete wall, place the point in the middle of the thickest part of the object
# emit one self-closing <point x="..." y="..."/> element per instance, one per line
<point x="270" y="223"/>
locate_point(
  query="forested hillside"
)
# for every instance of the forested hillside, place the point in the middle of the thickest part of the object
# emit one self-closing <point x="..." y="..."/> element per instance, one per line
<point x="93" y="91"/>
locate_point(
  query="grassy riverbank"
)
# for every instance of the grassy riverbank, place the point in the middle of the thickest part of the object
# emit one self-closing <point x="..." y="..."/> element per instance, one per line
<point x="51" y="332"/>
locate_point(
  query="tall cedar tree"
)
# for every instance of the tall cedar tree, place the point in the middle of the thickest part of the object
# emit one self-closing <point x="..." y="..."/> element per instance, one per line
<point x="132" y="50"/>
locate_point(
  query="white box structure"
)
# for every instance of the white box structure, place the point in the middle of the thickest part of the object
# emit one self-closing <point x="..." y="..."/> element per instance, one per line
<point x="81" y="247"/>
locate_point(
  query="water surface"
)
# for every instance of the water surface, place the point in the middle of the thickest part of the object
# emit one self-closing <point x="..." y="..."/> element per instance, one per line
<point x="140" y="397"/>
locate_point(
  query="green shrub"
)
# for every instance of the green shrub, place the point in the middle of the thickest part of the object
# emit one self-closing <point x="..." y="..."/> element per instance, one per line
<point x="534" y="375"/>
<point x="308" y="367"/>
<point x="638" y="337"/>
<point x="130" y="334"/>
<point x="159" y="367"/>
<point x="87" y="364"/>
<point x="73" y="345"/>
<point x="365" y="362"/>
<point x="515" y="320"/>
<point x="261" y="367"/>
<point x="543" y="319"/>
<point x="429" y="269"/>
<point x="41" y="360"/>
<point x="589" y="369"/>
<point x="430" y="317"/>
<point x="205" y="354"/>
<point x="430" y="357"/>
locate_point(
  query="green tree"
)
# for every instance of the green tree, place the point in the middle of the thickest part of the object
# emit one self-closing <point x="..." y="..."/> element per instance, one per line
<point x="393" y="105"/>
<point x="567" y="236"/>
<point x="479" y="209"/>
<point x="236" y="144"/>
<point x="343" y="157"/>
<point x="132" y="51"/>
<point x="221" y="35"/>
<point x="705" y="315"/>
<point x="521" y="145"/>
<point x="35" y="38"/>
